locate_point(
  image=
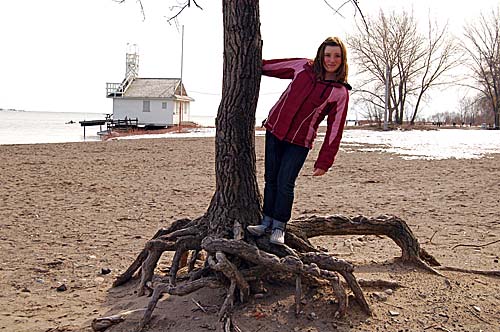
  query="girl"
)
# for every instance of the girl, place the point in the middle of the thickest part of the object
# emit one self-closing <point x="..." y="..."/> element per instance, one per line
<point x="318" y="89"/>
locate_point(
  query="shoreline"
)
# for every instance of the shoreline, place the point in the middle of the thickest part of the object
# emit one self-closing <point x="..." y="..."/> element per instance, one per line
<point x="413" y="144"/>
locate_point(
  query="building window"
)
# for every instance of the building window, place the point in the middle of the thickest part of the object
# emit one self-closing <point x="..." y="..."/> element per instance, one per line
<point x="164" y="105"/>
<point x="146" y="106"/>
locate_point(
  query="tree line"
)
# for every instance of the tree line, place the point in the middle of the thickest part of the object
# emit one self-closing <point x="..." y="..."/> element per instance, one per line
<point x="399" y="65"/>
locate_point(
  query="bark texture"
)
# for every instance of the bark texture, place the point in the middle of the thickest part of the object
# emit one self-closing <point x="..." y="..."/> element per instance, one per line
<point x="236" y="201"/>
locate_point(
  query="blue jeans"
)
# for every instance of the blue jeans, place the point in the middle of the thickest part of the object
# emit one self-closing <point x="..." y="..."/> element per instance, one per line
<point x="283" y="162"/>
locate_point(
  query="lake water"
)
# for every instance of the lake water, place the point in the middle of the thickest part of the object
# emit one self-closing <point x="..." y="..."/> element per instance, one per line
<point x="18" y="127"/>
<point x="46" y="127"/>
<point x="50" y="127"/>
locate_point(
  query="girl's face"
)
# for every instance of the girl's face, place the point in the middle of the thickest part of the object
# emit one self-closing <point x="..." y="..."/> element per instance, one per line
<point x="332" y="60"/>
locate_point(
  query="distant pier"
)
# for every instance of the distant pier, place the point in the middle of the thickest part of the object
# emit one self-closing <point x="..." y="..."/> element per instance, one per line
<point x="110" y="124"/>
<point x="86" y="123"/>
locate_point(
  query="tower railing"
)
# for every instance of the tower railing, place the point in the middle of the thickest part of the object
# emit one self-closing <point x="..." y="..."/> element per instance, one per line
<point x="118" y="89"/>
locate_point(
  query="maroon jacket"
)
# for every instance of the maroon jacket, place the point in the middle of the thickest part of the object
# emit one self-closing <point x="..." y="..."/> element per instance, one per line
<point x="304" y="104"/>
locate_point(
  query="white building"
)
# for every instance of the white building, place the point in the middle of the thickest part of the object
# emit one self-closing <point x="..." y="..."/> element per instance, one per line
<point x="154" y="102"/>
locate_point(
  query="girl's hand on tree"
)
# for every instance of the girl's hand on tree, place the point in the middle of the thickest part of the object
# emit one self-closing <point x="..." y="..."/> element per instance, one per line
<point x="318" y="172"/>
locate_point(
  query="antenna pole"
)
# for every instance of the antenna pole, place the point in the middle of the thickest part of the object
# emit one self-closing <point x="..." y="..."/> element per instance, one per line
<point x="182" y="53"/>
<point x="182" y="65"/>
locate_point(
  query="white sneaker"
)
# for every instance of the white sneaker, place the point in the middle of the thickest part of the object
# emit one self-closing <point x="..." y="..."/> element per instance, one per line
<point x="257" y="230"/>
<point x="278" y="237"/>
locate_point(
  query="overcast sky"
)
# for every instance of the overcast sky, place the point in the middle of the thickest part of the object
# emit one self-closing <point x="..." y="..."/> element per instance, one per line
<point x="57" y="55"/>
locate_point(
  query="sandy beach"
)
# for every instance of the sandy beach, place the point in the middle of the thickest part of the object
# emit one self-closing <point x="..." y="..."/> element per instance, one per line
<point x="69" y="212"/>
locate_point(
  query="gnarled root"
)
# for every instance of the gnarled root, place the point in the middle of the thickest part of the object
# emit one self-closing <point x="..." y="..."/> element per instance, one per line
<point x="222" y="264"/>
<point x="103" y="323"/>
<point x="393" y="227"/>
<point x="233" y="263"/>
<point x="330" y="263"/>
<point x="181" y="236"/>
<point x="489" y="273"/>
<point x="128" y="274"/>
<point x="310" y="264"/>
<point x="183" y="289"/>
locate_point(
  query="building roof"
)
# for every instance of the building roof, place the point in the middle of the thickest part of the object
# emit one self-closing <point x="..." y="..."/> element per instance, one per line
<point x="156" y="88"/>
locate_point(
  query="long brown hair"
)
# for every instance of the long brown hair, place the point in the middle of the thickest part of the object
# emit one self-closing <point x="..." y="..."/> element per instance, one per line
<point x="319" y="69"/>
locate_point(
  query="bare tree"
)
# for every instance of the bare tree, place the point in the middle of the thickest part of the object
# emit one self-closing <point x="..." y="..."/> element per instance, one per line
<point x="441" y="55"/>
<point x="416" y="63"/>
<point x="370" y="112"/>
<point x="482" y="44"/>
<point x="466" y="110"/>
<point x="372" y="51"/>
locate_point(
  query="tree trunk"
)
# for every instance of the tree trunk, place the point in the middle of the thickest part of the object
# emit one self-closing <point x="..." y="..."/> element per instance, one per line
<point x="417" y="105"/>
<point x="497" y="118"/>
<point x="236" y="201"/>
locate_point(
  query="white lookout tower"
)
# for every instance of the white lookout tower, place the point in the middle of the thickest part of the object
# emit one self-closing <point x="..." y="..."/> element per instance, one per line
<point x="132" y="61"/>
<point x="151" y="102"/>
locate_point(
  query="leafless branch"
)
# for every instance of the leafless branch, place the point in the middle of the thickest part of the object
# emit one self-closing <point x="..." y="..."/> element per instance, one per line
<point x="355" y="2"/>
<point x="337" y="10"/>
<point x="181" y="9"/>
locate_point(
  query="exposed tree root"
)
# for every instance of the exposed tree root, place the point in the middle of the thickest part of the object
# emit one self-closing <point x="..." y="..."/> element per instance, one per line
<point x="393" y="227"/>
<point x="475" y="245"/>
<point x="229" y="325"/>
<point x="184" y="289"/>
<point x="310" y="264"/>
<point x="379" y="283"/>
<point x="237" y="264"/>
<point x="493" y="273"/>
<point x="234" y="275"/>
<point x="102" y="323"/>
<point x="128" y="274"/>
